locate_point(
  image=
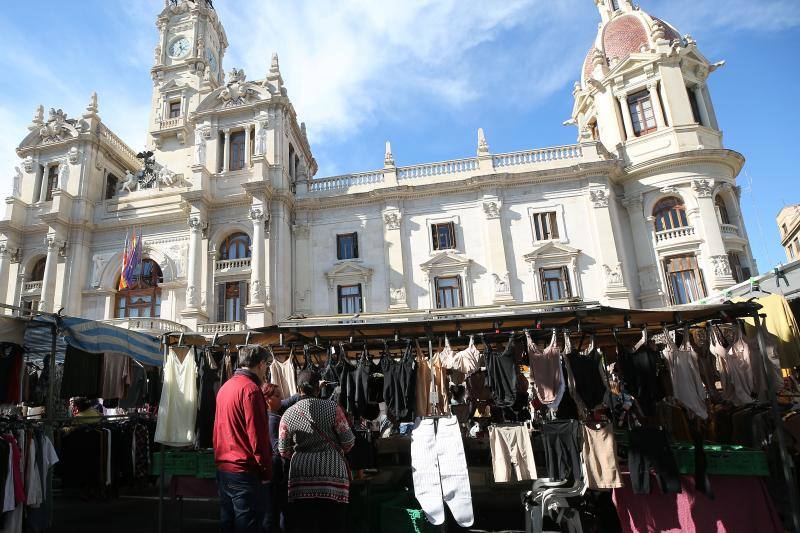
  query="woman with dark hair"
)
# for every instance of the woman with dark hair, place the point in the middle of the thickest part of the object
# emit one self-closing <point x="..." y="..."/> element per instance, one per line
<point x="275" y="518"/>
<point x="315" y="435"/>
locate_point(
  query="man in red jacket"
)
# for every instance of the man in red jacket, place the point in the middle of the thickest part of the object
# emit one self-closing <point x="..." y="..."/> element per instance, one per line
<point x="241" y="445"/>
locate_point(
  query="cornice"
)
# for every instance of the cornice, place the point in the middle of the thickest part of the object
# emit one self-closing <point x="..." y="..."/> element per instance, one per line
<point x="721" y="156"/>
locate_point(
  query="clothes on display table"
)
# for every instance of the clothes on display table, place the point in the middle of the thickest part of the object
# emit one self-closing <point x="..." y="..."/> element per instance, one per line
<point x="315" y="434"/>
<point x="177" y="411"/>
<point x="439" y="469"/>
<point x="512" y="453"/>
<point x="685" y="373"/>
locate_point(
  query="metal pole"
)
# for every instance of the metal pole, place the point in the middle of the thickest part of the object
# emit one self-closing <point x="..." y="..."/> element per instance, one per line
<point x="165" y="344"/>
<point x="788" y="464"/>
<point x="50" y="415"/>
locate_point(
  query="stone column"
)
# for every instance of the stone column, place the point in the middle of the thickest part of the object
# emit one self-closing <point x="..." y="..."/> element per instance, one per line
<point x="700" y="98"/>
<point x="247" y="145"/>
<point x="44" y="182"/>
<point x="196" y="228"/>
<point x="392" y="235"/>
<point x="718" y="268"/>
<point x="651" y="293"/>
<point x="226" y="150"/>
<point x="626" y="117"/>
<point x="257" y="286"/>
<point x="609" y="259"/>
<point x="5" y="264"/>
<point x="496" y="251"/>
<point x="53" y="246"/>
<point x="655" y="101"/>
<point x="303" y="267"/>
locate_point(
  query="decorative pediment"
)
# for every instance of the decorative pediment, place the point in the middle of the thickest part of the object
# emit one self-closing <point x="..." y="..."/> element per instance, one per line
<point x="236" y="92"/>
<point x="56" y="128"/>
<point x="552" y="251"/>
<point x="446" y="261"/>
<point x="350" y="270"/>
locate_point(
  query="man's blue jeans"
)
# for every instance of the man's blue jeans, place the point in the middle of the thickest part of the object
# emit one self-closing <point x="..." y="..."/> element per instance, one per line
<point x="243" y="501"/>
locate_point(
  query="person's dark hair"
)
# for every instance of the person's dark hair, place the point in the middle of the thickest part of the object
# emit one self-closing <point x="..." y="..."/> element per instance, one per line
<point x="251" y="356"/>
<point x="308" y="382"/>
<point x="82" y="404"/>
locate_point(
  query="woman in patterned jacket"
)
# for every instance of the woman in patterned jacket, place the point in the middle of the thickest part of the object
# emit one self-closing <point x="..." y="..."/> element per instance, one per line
<point x="315" y="435"/>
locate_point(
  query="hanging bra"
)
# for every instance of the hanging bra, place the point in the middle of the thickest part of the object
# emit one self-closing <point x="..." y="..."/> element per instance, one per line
<point x="467" y="361"/>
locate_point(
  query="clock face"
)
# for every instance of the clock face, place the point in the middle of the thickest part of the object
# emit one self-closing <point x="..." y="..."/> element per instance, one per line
<point x="179" y="48"/>
<point x="212" y="60"/>
<point x="174" y="3"/>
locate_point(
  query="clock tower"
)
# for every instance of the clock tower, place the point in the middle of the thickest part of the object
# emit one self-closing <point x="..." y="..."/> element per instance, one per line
<point x="187" y="66"/>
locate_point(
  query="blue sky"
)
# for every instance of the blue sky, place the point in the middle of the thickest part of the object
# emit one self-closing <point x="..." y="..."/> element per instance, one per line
<point x="423" y="74"/>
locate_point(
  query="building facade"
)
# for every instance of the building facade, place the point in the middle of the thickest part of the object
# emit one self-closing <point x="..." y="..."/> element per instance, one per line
<point x="643" y="211"/>
<point x="789" y="226"/>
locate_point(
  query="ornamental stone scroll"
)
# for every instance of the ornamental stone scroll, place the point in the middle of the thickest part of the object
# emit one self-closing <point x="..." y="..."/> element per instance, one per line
<point x="599" y="198"/>
<point x="391" y="220"/>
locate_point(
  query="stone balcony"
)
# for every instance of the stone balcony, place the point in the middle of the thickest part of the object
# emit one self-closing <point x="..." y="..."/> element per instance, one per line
<point x="173" y="126"/>
<point x="457" y="169"/>
<point x="729" y="230"/>
<point x="31" y="287"/>
<point x="232" y="266"/>
<point x="147" y="325"/>
<point x="675" y="237"/>
<point x="221" y="327"/>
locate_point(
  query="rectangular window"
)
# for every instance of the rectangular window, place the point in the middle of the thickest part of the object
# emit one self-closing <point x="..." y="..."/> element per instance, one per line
<point x="30" y="306"/>
<point x="292" y="168"/>
<point x="448" y="292"/>
<point x="739" y="272"/>
<point x="684" y="279"/>
<point x="347" y="246"/>
<point x="545" y="226"/>
<point x="52" y="182"/>
<point x="232" y="297"/>
<point x="642" y="115"/>
<point x="444" y="236"/>
<point x="790" y="249"/>
<point x="350" y="301"/>
<point x="695" y="107"/>
<point x="237" y="151"/>
<point x="175" y="109"/>
<point x="555" y="284"/>
<point x="111" y="186"/>
<point x="615" y="5"/>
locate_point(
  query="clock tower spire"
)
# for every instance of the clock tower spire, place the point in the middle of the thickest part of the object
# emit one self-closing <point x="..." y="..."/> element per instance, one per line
<point x="187" y="66"/>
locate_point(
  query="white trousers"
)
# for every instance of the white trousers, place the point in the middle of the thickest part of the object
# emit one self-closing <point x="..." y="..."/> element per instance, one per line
<point x="439" y="470"/>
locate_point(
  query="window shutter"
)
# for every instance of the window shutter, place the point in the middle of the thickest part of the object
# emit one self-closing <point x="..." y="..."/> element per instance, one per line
<point x="355" y="245"/>
<point x="435" y="237"/>
<point x="221" y="302"/>
<point x="339" y="298"/>
<point x="567" y="284"/>
<point x="452" y="227"/>
<point x="244" y="295"/>
<point x="360" y="298"/>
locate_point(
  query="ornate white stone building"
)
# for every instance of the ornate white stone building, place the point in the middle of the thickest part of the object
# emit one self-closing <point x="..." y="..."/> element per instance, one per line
<point x="642" y="211"/>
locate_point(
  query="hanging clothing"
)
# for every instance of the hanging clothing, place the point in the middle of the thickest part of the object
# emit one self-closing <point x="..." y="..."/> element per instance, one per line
<point x="562" y="447"/>
<point x="740" y="368"/>
<point x="501" y="374"/>
<point x="207" y="400"/>
<point x="282" y="374"/>
<point x="586" y="377"/>
<point x="399" y="385"/>
<point x="782" y="328"/>
<point x="685" y="372"/>
<point x="545" y="373"/>
<point x="177" y="411"/>
<point x="82" y="374"/>
<point x="649" y="448"/>
<point x="641" y="374"/>
<point x="467" y="361"/>
<point x="439" y="470"/>
<point x="315" y="435"/>
<point x="432" y="386"/>
<point x="116" y="376"/>
<point x="512" y="454"/>
<point x="600" y="458"/>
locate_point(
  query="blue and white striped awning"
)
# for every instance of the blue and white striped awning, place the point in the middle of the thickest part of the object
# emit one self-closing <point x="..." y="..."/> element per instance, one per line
<point x="97" y="337"/>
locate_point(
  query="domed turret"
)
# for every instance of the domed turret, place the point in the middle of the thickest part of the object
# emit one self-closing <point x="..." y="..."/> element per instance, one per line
<point x="642" y="80"/>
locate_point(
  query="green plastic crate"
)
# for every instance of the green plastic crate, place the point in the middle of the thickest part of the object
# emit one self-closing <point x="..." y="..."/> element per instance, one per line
<point x="176" y="463"/>
<point x="724" y="460"/>
<point x="206" y="467"/>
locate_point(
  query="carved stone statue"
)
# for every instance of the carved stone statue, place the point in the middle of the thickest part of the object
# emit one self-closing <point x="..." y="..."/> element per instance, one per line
<point x="17" y="185"/>
<point x="63" y="175"/>
<point x="131" y="182"/>
<point x="613" y="274"/>
<point x="501" y="284"/>
<point x="200" y="147"/>
<point x="237" y="91"/>
<point x="261" y="139"/>
<point x="166" y="176"/>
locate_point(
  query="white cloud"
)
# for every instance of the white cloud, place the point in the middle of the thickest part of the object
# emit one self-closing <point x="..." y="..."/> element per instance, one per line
<point x="729" y="15"/>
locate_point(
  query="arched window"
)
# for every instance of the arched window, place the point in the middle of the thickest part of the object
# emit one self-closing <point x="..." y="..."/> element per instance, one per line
<point x="37" y="272"/>
<point x="235" y="246"/>
<point x="143" y="298"/>
<point x="670" y="213"/>
<point x="722" y="210"/>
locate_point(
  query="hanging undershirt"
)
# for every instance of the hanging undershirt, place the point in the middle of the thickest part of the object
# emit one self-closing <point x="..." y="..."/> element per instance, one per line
<point x="431" y="386"/>
<point x="177" y="411"/>
<point x="282" y="375"/>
